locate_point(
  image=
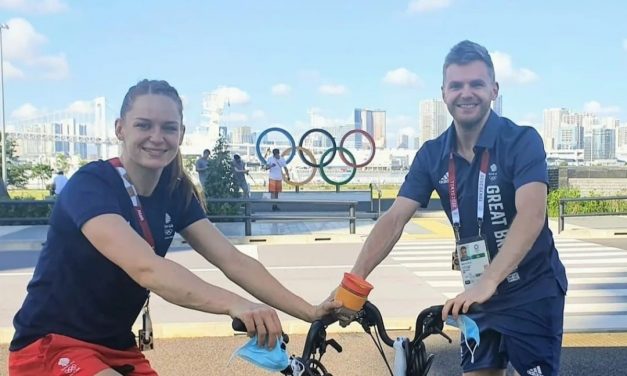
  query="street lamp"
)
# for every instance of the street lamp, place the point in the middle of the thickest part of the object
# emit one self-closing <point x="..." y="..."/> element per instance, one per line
<point x="4" y="133"/>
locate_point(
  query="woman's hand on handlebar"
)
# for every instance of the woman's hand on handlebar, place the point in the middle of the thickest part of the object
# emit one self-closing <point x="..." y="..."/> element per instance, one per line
<point x="478" y="293"/>
<point x="259" y="319"/>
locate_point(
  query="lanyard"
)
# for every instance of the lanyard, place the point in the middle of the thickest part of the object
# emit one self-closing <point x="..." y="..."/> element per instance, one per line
<point x="137" y="206"/>
<point x="452" y="190"/>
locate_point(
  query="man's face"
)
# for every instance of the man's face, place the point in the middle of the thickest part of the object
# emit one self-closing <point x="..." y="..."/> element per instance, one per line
<point x="468" y="91"/>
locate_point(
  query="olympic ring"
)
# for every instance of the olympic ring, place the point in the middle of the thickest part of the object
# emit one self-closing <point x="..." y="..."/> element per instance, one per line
<point x="311" y="162"/>
<point x="326" y="178"/>
<point x="280" y="130"/>
<point x="370" y="140"/>
<point x="311" y="155"/>
<point x="300" y="145"/>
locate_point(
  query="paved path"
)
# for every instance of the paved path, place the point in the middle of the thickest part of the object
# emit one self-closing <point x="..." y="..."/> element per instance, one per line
<point x="597" y="276"/>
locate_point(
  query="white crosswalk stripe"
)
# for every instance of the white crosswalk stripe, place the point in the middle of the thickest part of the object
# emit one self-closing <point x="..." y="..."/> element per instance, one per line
<point x="597" y="277"/>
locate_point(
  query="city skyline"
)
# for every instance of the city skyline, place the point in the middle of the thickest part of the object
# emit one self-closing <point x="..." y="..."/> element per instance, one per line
<point x="325" y="57"/>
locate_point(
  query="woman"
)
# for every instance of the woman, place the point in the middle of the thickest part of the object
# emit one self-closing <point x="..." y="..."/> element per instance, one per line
<point x="109" y="231"/>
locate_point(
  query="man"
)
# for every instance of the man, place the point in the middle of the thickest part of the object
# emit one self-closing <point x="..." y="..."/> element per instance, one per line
<point x="202" y="167"/>
<point x="463" y="253"/>
<point x="58" y="183"/>
<point x="239" y="172"/>
<point x="523" y="283"/>
<point x="275" y="166"/>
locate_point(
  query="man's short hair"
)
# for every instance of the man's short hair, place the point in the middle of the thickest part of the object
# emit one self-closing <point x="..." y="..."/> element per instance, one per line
<point x="275" y="151"/>
<point x="465" y="52"/>
<point x="236" y="157"/>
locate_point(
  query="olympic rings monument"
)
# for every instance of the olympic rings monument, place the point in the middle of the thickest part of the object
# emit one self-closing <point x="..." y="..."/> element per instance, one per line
<point x="308" y="157"/>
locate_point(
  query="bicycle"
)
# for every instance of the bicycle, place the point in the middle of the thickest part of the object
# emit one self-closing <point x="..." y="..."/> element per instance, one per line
<point x="411" y="358"/>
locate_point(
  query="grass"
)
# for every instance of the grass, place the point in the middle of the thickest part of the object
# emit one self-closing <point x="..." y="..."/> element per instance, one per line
<point x="36" y="194"/>
<point x="387" y="192"/>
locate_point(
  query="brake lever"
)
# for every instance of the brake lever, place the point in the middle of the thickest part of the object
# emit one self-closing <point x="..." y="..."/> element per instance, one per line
<point x="436" y="329"/>
<point x="334" y="344"/>
<point x="440" y="332"/>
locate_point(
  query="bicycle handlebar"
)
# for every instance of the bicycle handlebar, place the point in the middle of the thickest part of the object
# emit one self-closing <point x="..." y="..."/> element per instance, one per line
<point x="238" y="326"/>
<point x="428" y="322"/>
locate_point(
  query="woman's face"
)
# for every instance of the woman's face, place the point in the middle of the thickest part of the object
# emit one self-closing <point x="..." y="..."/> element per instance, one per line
<point x="151" y="131"/>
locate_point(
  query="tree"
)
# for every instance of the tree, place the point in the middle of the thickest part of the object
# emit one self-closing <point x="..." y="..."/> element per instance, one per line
<point x="61" y="162"/>
<point x="42" y="172"/>
<point x="220" y="182"/>
<point x="16" y="174"/>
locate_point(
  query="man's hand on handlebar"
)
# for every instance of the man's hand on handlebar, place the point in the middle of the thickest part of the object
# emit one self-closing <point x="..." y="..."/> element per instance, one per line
<point x="479" y="293"/>
<point x="327" y="307"/>
<point x="259" y="319"/>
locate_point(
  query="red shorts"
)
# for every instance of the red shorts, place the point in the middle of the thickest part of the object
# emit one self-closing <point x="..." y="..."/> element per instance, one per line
<point x="57" y="355"/>
<point x="275" y="186"/>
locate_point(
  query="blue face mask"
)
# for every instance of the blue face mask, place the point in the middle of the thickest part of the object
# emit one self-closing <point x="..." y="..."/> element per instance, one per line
<point x="275" y="359"/>
<point x="470" y="330"/>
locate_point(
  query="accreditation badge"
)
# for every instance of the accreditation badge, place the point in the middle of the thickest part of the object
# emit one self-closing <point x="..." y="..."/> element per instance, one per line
<point x="474" y="259"/>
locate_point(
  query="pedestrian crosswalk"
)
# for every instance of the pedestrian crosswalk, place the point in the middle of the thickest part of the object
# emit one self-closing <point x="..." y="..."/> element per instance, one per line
<point x="597" y="278"/>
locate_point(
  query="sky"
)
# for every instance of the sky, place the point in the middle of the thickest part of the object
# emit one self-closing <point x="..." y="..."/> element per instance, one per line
<point x="280" y="60"/>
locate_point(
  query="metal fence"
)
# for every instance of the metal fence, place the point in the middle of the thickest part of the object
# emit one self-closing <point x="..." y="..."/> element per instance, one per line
<point x="563" y="212"/>
<point x="37" y="212"/>
<point x="248" y="216"/>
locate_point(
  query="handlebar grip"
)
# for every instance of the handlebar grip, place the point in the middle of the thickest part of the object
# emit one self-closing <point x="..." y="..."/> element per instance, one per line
<point x="238" y="325"/>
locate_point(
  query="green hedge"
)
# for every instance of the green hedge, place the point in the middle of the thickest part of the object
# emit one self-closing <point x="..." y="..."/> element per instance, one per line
<point x="17" y="208"/>
<point x="583" y="207"/>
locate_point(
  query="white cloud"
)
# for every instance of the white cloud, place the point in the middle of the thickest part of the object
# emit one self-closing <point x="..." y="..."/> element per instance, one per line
<point x="529" y="119"/>
<point x="22" y="49"/>
<point x="420" y="6"/>
<point x="34" y="6"/>
<point x="11" y="71"/>
<point x="410" y="131"/>
<point x="82" y="107"/>
<point x="25" y="111"/>
<point x="598" y="108"/>
<point x="258" y="114"/>
<point x="317" y="119"/>
<point x="21" y="40"/>
<point x="54" y="67"/>
<point x="235" y="117"/>
<point x="507" y="73"/>
<point x="281" y="89"/>
<point x="402" y="77"/>
<point x="332" y="89"/>
<point x="233" y="95"/>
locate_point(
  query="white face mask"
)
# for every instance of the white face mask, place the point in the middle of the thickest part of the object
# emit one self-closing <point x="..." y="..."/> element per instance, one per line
<point x="275" y="359"/>
<point x="470" y="330"/>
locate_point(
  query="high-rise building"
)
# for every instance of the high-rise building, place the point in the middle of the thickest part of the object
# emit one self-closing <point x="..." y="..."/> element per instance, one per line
<point x="497" y="105"/>
<point x="600" y="143"/>
<point x="242" y="135"/>
<point x="571" y="137"/>
<point x="552" y="120"/>
<point x="373" y="122"/>
<point x="433" y="119"/>
<point x="403" y="141"/>
<point x="621" y="138"/>
<point x="416" y="142"/>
